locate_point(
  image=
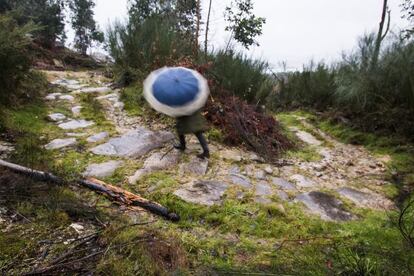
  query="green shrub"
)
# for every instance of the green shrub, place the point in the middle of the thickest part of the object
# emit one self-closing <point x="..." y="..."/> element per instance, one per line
<point x="313" y="87"/>
<point x="244" y="77"/>
<point x="374" y="98"/>
<point x="14" y="58"/>
<point x="139" y="47"/>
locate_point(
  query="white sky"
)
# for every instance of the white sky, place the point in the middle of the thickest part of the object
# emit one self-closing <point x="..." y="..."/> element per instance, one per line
<point x="296" y="30"/>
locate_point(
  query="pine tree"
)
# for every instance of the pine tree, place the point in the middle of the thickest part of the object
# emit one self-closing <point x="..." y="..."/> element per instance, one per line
<point x="86" y="29"/>
<point x="46" y="14"/>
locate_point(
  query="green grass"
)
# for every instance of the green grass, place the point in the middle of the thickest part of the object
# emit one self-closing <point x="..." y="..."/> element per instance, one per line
<point x="93" y="110"/>
<point x="133" y="99"/>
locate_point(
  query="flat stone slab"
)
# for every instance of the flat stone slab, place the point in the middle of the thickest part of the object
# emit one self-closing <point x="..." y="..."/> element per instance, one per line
<point x="233" y="155"/>
<point x="302" y="181"/>
<point x="76" y="124"/>
<point x="56" y="117"/>
<point x="102" y="170"/>
<point x="69" y="84"/>
<point x="203" y="192"/>
<point x="196" y="166"/>
<point x="326" y="206"/>
<point x="306" y="137"/>
<point x="65" y="82"/>
<point x="240" y="180"/>
<point x="94" y="90"/>
<point x="134" y="144"/>
<point x="156" y="162"/>
<point x="262" y="192"/>
<point x="97" y="137"/>
<point x="60" y="143"/>
<point x="53" y="96"/>
<point x="263" y="189"/>
<point x="66" y="98"/>
<point x="71" y="134"/>
<point x="283" y="184"/>
<point x="363" y="199"/>
<point x="283" y="195"/>
<point x="76" y="110"/>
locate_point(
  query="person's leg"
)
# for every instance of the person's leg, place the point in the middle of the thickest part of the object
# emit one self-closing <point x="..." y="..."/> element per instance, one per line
<point x="203" y="143"/>
<point x="182" y="145"/>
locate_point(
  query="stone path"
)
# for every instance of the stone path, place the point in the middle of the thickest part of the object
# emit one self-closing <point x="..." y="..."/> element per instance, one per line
<point x="344" y="173"/>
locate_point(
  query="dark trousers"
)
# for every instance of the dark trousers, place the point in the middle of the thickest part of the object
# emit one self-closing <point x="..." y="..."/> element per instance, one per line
<point x="201" y="139"/>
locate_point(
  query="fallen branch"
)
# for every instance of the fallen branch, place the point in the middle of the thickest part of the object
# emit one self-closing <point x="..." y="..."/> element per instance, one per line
<point x="112" y="192"/>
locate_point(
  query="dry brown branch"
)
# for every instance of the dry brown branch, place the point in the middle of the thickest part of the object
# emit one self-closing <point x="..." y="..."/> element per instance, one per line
<point x="114" y="193"/>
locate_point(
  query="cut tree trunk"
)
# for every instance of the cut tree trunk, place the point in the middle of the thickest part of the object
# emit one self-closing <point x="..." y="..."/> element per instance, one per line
<point x="114" y="193"/>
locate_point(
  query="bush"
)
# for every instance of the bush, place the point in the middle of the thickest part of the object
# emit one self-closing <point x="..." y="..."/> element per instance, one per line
<point x="313" y="87"/>
<point x="14" y="59"/>
<point x="139" y="47"/>
<point x="242" y="76"/>
<point x="374" y="98"/>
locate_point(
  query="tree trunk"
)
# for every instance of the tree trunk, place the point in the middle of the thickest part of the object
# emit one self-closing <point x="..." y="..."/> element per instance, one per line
<point x="114" y="193"/>
<point x="381" y="35"/>
<point x="197" y="35"/>
<point x="207" y="29"/>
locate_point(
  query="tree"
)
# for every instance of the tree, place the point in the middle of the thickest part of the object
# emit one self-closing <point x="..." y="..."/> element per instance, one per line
<point x="47" y="14"/>
<point x="408" y="10"/>
<point x="381" y="33"/>
<point x="86" y="29"/>
<point x="207" y="27"/>
<point x="242" y="23"/>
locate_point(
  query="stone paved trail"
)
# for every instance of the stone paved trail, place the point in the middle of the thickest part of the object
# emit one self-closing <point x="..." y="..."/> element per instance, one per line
<point x="343" y="174"/>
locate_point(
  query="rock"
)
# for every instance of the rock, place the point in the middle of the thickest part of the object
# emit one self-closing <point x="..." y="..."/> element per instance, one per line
<point x="263" y="189"/>
<point x="67" y="98"/>
<point x="284" y="184"/>
<point x="260" y="175"/>
<point x="111" y="97"/>
<point x="262" y="192"/>
<point x="234" y="170"/>
<point x="93" y="90"/>
<point x="324" y="205"/>
<point x="268" y="170"/>
<point x="196" y="166"/>
<point x="58" y="63"/>
<point x="255" y="158"/>
<point x="262" y="200"/>
<point x="79" y="228"/>
<point x="102" y="170"/>
<point x="250" y="170"/>
<point x="76" y="110"/>
<point x="302" y="181"/>
<point x="363" y="199"/>
<point x="283" y="195"/>
<point x="240" y="180"/>
<point x="71" y="134"/>
<point x="97" y="137"/>
<point x="307" y="138"/>
<point x="5" y="149"/>
<point x="134" y="144"/>
<point x="232" y="155"/>
<point x="75" y="124"/>
<point x="53" y="96"/>
<point x="61" y="143"/>
<point x="56" y="117"/>
<point x="69" y="84"/>
<point x="202" y="192"/>
<point x="156" y="162"/>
